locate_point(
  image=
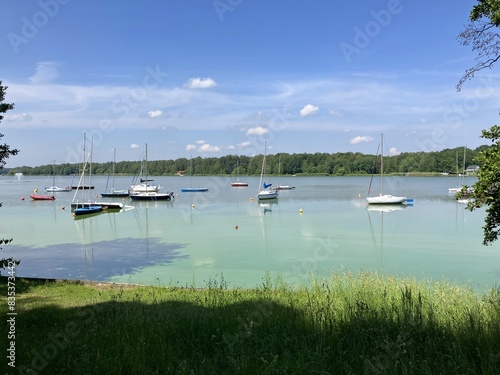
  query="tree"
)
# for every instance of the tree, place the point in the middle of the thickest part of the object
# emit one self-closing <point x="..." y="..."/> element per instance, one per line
<point x="486" y="191"/>
<point x="5" y="150"/>
<point x="482" y="35"/>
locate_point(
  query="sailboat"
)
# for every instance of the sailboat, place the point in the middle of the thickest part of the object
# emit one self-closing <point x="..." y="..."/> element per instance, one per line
<point x="238" y="183"/>
<point x="143" y="186"/>
<point x="81" y="208"/>
<point x="384" y="198"/>
<point x="54" y="188"/>
<point x="145" y="192"/>
<point x="114" y="193"/>
<point x="81" y="184"/>
<point x="192" y="189"/>
<point x="459" y="185"/>
<point x="281" y="187"/>
<point x="266" y="192"/>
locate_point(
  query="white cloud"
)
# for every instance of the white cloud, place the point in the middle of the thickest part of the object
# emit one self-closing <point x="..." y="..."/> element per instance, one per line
<point x="20" y="117"/>
<point x="259" y="130"/>
<point x="308" y="110"/>
<point x="209" y="148"/>
<point x="360" y="139"/>
<point x="244" y="144"/>
<point x="202" y="146"/>
<point x="393" y="151"/>
<point x="134" y="146"/>
<point x="46" y="72"/>
<point x="155" y="114"/>
<point x="200" y="83"/>
<point x="334" y="112"/>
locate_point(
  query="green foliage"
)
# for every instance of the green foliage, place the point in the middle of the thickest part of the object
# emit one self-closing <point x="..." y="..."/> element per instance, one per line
<point x="5" y="150"/>
<point x="347" y="163"/>
<point x="481" y="34"/>
<point x="486" y="191"/>
<point x="7" y="262"/>
<point x="347" y="324"/>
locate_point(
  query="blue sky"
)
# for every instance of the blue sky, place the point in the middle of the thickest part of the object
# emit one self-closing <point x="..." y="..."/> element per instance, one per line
<point x="216" y="77"/>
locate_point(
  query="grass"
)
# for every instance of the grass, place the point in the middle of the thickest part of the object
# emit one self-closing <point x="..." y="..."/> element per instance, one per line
<point x="348" y="324"/>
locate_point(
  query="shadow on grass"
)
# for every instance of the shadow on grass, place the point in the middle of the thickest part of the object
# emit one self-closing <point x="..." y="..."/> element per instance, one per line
<point x="264" y="331"/>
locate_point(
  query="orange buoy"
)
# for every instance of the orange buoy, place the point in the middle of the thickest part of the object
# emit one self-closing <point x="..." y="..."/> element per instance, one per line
<point x="236" y="227"/>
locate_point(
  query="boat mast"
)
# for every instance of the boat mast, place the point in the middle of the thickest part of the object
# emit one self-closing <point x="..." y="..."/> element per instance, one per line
<point x="54" y="175"/>
<point x="114" y="161"/>
<point x="382" y="164"/>
<point x="263" y="165"/>
<point x="146" y="166"/>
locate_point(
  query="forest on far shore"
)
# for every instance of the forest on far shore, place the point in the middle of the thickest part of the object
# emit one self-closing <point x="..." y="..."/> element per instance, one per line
<point x="337" y="164"/>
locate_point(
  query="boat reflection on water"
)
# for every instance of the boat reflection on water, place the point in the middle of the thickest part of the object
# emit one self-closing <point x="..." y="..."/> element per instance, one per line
<point x="268" y="205"/>
<point x="386" y="207"/>
<point x="382" y="209"/>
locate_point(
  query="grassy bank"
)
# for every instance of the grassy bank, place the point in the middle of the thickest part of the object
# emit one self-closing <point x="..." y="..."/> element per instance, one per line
<point x="349" y="324"/>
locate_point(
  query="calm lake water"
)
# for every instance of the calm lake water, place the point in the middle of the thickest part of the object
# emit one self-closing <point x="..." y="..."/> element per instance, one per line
<point x="321" y="226"/>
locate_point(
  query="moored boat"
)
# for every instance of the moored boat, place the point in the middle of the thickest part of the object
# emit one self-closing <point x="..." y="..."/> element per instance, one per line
<point x="384" y="198"/>
<point x="239" y="184"/>
<point x="37" y="197"/>
<point x="152" y="196"/>
<point x="266" y="192"/>
<point x="86" y="210"/>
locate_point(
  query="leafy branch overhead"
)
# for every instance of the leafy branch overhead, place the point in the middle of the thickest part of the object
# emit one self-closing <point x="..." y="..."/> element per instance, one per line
<point x="482" y="35"/>
<point x="5" y="150"/>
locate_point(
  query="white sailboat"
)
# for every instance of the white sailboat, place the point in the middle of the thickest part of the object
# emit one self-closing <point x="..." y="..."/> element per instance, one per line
<point x="238" y="183"/>
<point x="145" y="192"/>
<point x="266" y="192"/>
<point x="142" y="185"/>
<point x="114" y="193"/>
<point x="282" y="187"/>
<point x="384" y="198"/>
<point x="54" y="188"/>
<point x="455" y="190"/>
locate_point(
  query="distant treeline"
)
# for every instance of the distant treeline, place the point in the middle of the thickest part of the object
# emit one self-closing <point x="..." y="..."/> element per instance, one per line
<point x="338" y="164"/>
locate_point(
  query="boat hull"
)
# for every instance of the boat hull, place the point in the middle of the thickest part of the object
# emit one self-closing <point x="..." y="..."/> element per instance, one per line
<point x="107" y="205"/>
<point x="239" y="184"/>
<point x="152" y="196"/>
<point x="84" y="187"/>
<point x="267" y="194"/>
<point x="116" y="194"/>
<point x="193" y="190"/>
<point x="284" y="187"/>
<point x="56" y="189"/>
<point x="86" y="210"/>
<point x="386" y="199"/>
<point x="37" y="197"/>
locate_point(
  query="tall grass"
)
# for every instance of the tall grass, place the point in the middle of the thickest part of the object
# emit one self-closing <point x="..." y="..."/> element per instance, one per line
<point x="348" y="324"/>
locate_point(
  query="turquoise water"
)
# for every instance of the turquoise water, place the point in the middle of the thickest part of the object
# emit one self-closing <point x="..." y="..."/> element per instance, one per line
<point x="321" y="226"/>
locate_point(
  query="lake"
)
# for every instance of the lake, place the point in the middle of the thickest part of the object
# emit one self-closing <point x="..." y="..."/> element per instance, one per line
<point x="321" y="226"/>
